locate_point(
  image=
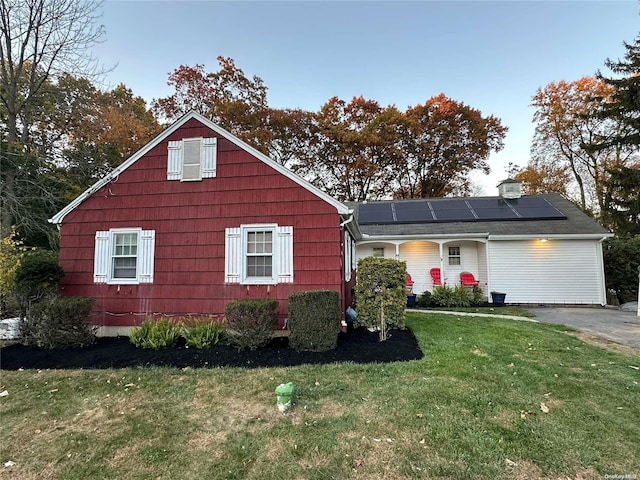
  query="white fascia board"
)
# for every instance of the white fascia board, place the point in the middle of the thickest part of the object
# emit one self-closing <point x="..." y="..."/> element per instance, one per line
<point x="447" y="236"/>
<point x="340" y="207"/>
<point x="558" y="236"/>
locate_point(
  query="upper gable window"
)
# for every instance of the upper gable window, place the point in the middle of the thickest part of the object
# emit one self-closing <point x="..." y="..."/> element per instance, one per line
<point x="192" y="159"/>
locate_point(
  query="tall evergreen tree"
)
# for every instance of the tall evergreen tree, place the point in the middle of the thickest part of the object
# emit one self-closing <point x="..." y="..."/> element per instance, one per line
<point x="624" y="104"/>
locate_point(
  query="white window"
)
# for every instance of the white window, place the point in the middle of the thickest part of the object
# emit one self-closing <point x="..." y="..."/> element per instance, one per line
<point x="378" y="252"/>
<point x="192" y="159"/>
<point x="259" y="254"/>
<point x="454" y="255"/>
<point x="124" y="256"/>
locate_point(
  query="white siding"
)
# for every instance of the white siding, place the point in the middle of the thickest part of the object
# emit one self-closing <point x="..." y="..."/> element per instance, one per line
<point x="363" y="251"/>
<point x="468" y="261"/>
<point x="558" y="271"/>
<point x="420" y="258"/>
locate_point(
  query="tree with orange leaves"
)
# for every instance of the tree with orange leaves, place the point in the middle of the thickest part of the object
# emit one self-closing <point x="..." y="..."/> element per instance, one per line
<point x="443" y="140"/>
<point x="567" y="121"/>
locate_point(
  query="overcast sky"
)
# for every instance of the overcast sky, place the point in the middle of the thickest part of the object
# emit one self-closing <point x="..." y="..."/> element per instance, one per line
<point x="490" y="55"/>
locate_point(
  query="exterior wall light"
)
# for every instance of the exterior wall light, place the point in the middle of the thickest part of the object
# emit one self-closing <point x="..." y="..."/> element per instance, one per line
<point x="544" y="240"/>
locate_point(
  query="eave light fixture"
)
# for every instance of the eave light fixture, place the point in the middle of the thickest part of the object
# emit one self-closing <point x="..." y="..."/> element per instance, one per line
<point x="544" y="240"/>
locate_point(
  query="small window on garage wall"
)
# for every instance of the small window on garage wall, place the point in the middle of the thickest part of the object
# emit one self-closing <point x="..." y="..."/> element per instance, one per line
<point x="378" y="252"/>
<point x="192" y="159"/>
<point x="124" y="256"/>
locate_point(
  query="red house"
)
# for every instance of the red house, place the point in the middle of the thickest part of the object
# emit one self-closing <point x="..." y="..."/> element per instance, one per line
<point x="197" y="219"/>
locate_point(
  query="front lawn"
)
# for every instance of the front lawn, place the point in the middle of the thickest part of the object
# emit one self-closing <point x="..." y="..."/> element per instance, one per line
<point x="491" y="399"/>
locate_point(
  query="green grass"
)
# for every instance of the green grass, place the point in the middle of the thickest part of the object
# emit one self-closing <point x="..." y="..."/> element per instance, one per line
<point x="465" y="411"/>
<point x="505" y="310"/>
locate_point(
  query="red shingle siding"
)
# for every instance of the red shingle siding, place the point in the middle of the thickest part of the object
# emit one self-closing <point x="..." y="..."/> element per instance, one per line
<point x="189" y="219"/>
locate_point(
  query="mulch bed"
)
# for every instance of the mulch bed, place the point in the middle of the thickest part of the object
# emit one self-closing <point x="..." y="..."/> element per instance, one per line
<point x="357" y="346"/>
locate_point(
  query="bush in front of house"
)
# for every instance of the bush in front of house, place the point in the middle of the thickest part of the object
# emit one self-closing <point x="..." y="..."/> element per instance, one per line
<point x="477" y="296"/>
<point x="202" y="332"/>
<point x="250" y="321"/>
<point x="314" y="320"/>
<point x="156" y="334"/>
<point x="458" y="296"/>
<point x="59" y="323"/>
<point x="381" y="293"/>
<point x="621" y="262"/>
<point x="425" y="300"/>
<point x="36" y="278"/>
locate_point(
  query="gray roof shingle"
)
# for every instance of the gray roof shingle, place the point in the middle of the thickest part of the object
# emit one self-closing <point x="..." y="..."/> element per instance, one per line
<point x="576" y="222"/>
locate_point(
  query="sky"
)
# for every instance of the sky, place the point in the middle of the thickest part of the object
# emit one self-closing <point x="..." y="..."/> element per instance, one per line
<point x="492" y="56"/>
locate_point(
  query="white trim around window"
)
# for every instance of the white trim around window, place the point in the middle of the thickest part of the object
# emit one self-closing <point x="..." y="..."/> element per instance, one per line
<point x="259" y="254"/>
<point x="124" y="256"/>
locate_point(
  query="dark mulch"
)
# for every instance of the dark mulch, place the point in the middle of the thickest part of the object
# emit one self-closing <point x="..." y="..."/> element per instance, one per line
<point x="358" y="346"/>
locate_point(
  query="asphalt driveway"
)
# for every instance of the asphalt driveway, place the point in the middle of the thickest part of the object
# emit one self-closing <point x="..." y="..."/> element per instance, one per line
<point x="610" y="323"/>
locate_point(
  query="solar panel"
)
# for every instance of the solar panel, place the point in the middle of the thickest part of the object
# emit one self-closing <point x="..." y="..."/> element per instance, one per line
<point x="451" y="210"/>
<point x="458" y="210"/>
<point x="535" y="208"/>
<point x="413" y="212"/>
<point x="492" y="209"/>
<point x="372" y="213"/>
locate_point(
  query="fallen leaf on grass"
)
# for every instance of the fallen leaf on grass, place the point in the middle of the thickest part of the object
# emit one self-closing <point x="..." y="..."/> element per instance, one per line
<point x="4" y="393"/>
<point x="510" y="463"/>
<point x="53" y="391"/>
<point x="357" y="462"/>
<point x="634" y="367"/>
<point x="419" y="415"/>
<point x="130" y="385"/>
<point x="524" y="414"/>
<point x="544" y="407"/>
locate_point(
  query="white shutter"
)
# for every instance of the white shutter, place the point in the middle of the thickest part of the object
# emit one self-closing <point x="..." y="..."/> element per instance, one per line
<point x="284" y="252"/>
<point x="191" y="153"/>
<point x="232" y="255"/>
<point x="146" y="253"/>
<point x="209" y="156"/>
<point x="347" y="256"/>
<point x="174" y="163"/>
<point x="102" y="258"/>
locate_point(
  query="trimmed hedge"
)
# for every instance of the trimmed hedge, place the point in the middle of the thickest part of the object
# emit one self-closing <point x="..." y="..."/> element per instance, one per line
<point x="59" y="323"/>
<point x="381" y="293"/>
<point x="314" y="320"/>
<point x="250" y="321"/>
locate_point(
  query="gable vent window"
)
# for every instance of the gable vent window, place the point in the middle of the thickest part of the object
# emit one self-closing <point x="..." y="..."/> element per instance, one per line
<point x="192" y="159"/>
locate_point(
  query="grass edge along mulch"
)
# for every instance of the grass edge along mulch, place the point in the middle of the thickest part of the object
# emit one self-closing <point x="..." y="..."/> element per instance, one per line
<point x="471" y="408"/>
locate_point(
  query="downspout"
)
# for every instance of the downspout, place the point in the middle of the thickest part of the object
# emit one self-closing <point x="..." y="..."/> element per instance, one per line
<point x="346" y="221"/>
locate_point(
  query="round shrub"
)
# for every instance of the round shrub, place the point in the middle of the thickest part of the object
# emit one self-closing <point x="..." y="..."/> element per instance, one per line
<point x="250" y="321"/>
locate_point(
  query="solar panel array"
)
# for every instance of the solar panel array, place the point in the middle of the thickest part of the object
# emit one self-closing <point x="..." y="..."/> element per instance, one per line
<point x="458" y="210"/>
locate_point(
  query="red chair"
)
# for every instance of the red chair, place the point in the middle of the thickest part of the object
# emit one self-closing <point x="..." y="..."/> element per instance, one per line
<point x="409" y="285"/>
<point x="468" y="280"/>
<point x="436" y="278"/>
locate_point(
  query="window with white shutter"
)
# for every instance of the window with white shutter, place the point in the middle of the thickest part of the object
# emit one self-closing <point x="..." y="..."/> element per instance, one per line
<point x="124" y="256"/>
<point x="259" y="254"/>
<point x="192" y="159"/>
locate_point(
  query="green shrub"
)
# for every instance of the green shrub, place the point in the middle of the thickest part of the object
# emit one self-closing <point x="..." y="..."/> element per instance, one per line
<point x="250" y="321"/>
<point x="202" y="332"/>
<point x="36" y="277"/>
<point x="425" y="300"/>
<point x="59" y="323"/>
<point x="381" y="293"/>
<point x="478" y="296"/>
<point x="314" y="320"/>
<point x="621" y="261"/>
<point x="458" y="296"/>
<point x="156" y="334"/>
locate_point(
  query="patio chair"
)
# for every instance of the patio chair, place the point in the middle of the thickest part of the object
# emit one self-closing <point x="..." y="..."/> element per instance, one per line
<point x="468" y="280"/>
<point x="436" y="278"/>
